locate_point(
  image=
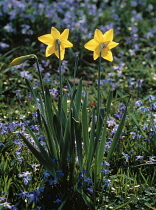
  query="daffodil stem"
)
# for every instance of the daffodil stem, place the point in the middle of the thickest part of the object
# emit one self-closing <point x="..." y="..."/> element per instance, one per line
<point x="40" y="77"/>
<point x="60" y="73"/>
<point x="60" y="76"/>
<point x="60" y="98"/>
<point x="99" y="99"/>
<point x="75" y="68"/>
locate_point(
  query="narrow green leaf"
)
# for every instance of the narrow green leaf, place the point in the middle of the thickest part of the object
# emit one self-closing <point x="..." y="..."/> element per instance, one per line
<point x="86" y="199"/>
<point x="141" y="147"/>
<point x="72" y="148"/>
<point x="78" y="97"/>
<point x="100" y="150"/>
<point x="137" y="124"/>
<point x="10" y="52"/>
<point x="40" y="147"/>
<point x="42" y="106"/>
<point x="46" y="163"/>
<point x="78" y="132"/>
<point x="66" y="144"/>
<point x="85" y="124"/>
<point x="149" y="206"/>
<point x="61" y="206"/>
<point x="116" y="137"/>
<point x="102" y="114"/>
<point x="109" y="100"/>
<point x="49" y="117"/>
<point x="99" y="126"/>
<point x="57" y="127"/>
<point x="91" y="144"/>
<point x="40" y="77"/>
<point x="72" y="99"/>
<point x="143" y="177"/>
<point x="70" y="88"/>
<point x="64" y="104"/>
<point x="124" y="204"/>
<point x="50" y="142"/>
<point x="31" y="90"/>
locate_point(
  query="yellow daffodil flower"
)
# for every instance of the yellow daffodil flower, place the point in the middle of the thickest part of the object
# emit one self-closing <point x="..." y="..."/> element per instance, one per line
<point x="52" y="41"/>
<point x="102" y="44"/>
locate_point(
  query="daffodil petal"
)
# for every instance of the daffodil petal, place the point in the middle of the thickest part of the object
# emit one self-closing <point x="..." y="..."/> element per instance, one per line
<point x="98" y="36"/>
<point x="112" y="45"/>
<point x="50" y="50"/>
<point x="96" y="53"/>
<point x="91" y="45"/>
<point x="62" y="52"/>
<point x="46" y="39"/>
<point x="104" y="52"/>
<point x="107" y="55"/>
<point x="64" y="34"/>
<point x="55" y="33"/>
<point x="108" y="36"/>
<point x="66" y="43"/>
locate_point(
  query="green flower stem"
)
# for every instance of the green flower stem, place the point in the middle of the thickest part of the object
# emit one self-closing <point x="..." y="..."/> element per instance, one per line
<point x="75" y="68"/>
<point x="40" y="77"/>
<point x="60" y="73"/>
<point x="99" y="99"/>
<point x="60" y="99"/>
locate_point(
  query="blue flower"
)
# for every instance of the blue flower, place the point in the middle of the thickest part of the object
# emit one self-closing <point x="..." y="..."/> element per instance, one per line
<point x="138" y="103"/>
<point x="105" y="164"/>
<point x="151" y="98"/>
<point x="33" y="196"/>
<point x="147" y="139"/>
<point x="5" y="204"/>
<point x="14" y="207"/>
<point x="126" y="156"/>
<point x="60" y="173"/>
<point x="2" y="199"/>
<point x="139" y="157"/>
<point x="58" y="201"/>
<point x="22" y="195"/>
<point x="41" y="189"/>
<point x="90" y="190"/>
<point x="151" y="159"/>
<point x="26" y="74"/>
<point x="88" y="180"/>
<point x="26" y="177"/>
<point x="54" y="92"/>
<point x="107" y="183"/>
<point x="111" y="121"/>
<point x="105" y="171"/>
<point x="154" y="106"/>
<point x="1" y="144"/>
